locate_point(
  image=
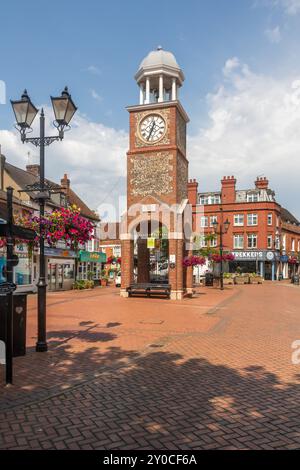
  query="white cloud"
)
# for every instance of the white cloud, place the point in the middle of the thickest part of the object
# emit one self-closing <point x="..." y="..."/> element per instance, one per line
<point x="96" y="95"/>
<point x="253" y="130"/>
<point x="94" y="69"/>
<point x="291" y="7"/>
<point x="93" y="155"/>
<point x="273" y="34"/>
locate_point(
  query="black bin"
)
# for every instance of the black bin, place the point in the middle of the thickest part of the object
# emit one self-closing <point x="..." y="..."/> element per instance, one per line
<point x="19" y="322"/>
<point x="209" y="279"/>
<point x="296" y="279"/>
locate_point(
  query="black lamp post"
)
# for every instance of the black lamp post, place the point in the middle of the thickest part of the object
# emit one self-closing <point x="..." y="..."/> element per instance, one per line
<point x="25" y="112"/>
<point x="224" y="226"/>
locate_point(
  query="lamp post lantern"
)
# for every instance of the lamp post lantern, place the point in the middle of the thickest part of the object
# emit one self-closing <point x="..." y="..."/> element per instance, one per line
<point x="25" y="113"/>
<point x="224" y="226"/>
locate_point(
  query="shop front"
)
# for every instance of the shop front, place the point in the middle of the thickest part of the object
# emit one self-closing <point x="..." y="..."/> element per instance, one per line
<point x="90" y="265"/>
<point x="60" y="266"/>
<point x="23" y="271"/>
<point x="262" y="262"/>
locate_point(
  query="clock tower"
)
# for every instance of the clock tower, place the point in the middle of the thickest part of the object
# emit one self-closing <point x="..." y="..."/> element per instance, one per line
<point x="157" y="175"/>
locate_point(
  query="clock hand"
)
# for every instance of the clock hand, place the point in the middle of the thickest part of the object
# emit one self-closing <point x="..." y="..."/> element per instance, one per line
<point x="152" y="127"/>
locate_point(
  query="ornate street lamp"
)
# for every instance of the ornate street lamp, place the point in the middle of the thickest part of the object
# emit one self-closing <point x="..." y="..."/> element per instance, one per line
<point x="224" y="227"/>
<point x="25" y="112"/>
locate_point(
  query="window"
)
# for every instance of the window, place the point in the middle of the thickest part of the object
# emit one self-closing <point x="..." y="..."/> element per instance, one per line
<point x="203" y="200"/>
<point x="90" y="245"/>
<point x="238" y="220"/>
<point x="252" y="240"/>
<point x="298" y="245"/>
<point x="215" y="199"/>
<point x="204" y="221"/>
<point x="252" y="219"/>
<point x="213" y="242"/>
<point x="203" y="242"/>
<point x="284" y="242"/>
<point x="238" y="241"/>
<point x="270" y="219"/>
<point x="213" y="219"/>
<point x="293" y="244"/>
<point x="117" y="251"/>
<point x="210" y="199"/>
<point x="270" y="241"/>
<point x="252" y="197"/>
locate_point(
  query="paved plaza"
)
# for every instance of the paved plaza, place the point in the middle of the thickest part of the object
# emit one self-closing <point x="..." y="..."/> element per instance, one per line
<point x="211" y="372"/>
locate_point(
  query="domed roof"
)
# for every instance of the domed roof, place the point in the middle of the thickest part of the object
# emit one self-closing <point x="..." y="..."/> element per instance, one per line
<point x="159" y="58"/>
<point x="159" y="62"/>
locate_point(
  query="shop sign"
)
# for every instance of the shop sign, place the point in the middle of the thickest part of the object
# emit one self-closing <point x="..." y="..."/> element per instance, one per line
<point x="151" y="242"/>
<point x="92" y="257"/>
<point x="254" y="255"/>
<point x="60" y="252"/>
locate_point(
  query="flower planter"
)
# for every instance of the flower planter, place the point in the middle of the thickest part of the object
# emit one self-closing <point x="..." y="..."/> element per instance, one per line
<point x="228" y="281"/>
<point x="104" y="282"/>
<point x="241" y="279"/>
<point x="256" y="280"/>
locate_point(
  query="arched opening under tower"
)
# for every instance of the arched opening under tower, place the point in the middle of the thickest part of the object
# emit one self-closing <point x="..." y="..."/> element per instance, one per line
<point x="151" y="254"/>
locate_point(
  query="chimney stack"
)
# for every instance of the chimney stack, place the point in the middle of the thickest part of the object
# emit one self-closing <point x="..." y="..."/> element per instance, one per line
<point x="228" y="189"/>
<point x="193" y="192"/>
<point x="261" y="183"/>
<point x="65" y="184"/>
<point x="33" y="169"/>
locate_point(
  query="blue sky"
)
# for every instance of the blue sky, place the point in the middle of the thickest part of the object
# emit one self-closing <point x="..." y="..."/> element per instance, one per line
<point x="95" y="48"/>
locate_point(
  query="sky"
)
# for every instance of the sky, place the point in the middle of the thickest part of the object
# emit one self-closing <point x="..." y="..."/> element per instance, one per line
<point x="242" y="88"/>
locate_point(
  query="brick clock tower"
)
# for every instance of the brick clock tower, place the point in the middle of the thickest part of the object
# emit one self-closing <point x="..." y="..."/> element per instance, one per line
<point x="157" y="173"/>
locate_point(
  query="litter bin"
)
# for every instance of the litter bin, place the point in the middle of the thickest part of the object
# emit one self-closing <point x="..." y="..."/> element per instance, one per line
<point x="280" y="277"/>
<point x="209" y="279"/>
<point x="19" y="322"/>
<point x="296" y="279"/>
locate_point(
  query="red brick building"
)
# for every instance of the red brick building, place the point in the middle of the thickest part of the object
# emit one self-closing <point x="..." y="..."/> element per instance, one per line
<point x="262" y="235"/>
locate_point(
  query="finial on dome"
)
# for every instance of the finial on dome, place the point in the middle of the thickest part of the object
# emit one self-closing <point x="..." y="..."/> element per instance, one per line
<point x="159" y="48"/>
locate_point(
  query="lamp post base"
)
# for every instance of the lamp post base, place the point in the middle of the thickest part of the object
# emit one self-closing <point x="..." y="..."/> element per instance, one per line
<point x="41" y="346"/>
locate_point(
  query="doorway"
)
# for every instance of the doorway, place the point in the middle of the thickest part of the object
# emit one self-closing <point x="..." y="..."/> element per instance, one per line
<point x="61" y="275"/>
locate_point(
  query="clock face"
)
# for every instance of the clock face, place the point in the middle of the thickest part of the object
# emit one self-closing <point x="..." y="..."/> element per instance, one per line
<point x="152" y="128"/>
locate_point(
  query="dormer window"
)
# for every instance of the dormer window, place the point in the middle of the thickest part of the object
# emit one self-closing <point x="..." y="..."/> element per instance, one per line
<point x="252" y="197"/>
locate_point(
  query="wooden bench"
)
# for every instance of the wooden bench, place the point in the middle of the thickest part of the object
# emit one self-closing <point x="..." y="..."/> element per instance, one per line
<point x="148" y="289"/>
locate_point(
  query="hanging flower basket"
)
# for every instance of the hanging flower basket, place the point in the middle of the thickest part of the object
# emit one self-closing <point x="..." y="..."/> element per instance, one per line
<point x="216" y="258"/>
<point x="194" y="261"/>
<point x="293" y="260"/>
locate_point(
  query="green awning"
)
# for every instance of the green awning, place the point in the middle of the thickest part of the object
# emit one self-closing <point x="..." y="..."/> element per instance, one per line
<point x="92" y="257"/>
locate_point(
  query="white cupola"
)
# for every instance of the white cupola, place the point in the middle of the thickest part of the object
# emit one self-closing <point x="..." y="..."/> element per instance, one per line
<point x="159" y="77"/>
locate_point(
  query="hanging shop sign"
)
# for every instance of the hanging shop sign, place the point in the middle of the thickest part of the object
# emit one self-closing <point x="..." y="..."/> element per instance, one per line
<point x="150" y="242"/>
<point x="92" y="257"/>
<point x="60" y="252"/>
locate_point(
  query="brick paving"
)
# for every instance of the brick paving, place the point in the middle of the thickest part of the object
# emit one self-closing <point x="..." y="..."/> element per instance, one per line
<point x="213" y="372"/>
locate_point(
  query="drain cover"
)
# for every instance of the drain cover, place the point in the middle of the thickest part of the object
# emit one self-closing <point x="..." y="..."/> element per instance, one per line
<point x="152" y="322"/>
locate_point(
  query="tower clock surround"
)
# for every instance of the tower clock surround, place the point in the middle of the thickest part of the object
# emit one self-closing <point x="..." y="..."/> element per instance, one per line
<point x="157" y="177"/>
